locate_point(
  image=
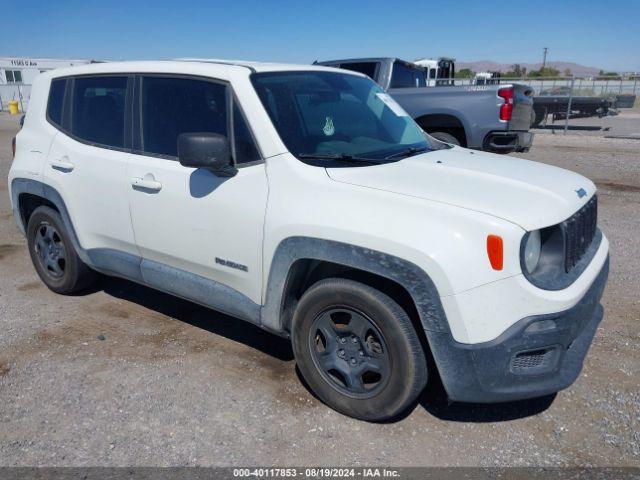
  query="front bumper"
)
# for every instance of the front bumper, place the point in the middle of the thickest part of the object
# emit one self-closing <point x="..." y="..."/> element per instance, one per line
<point x="521" y="363"/>
<point x="509" y="141"/>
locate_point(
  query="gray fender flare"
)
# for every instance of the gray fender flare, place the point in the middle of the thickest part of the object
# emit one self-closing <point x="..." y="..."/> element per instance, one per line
<point x="410" y="276"/>
<point x="34" y="187"/>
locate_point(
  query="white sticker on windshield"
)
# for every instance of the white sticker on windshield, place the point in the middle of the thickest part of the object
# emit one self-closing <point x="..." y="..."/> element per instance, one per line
<point x="392" y="104"/>
<point x="328" y="128"/>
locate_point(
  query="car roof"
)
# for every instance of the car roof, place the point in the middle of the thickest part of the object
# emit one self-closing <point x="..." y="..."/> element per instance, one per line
<point x="256" y="66"/>
<point x="204" y="66"/>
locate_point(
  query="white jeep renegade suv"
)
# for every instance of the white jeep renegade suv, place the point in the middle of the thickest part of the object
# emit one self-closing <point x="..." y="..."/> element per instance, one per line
<point x="304" y="200"/>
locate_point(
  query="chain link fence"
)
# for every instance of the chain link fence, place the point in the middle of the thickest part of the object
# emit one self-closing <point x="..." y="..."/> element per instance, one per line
<point x="595" y="86"/>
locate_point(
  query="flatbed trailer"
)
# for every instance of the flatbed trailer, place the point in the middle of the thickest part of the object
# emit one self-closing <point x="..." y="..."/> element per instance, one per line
<point x="557" y="106"/>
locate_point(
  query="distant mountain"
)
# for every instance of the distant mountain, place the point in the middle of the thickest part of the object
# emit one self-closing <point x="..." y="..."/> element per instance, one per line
<point x="491" y="66"/>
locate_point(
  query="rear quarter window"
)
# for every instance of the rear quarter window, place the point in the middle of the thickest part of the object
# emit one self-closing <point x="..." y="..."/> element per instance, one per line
<point x="407" y="76"/>
<point x="56" y="101"/>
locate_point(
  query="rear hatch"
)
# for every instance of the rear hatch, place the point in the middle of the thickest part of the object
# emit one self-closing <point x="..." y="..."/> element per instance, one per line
<point x="522" y="115"/>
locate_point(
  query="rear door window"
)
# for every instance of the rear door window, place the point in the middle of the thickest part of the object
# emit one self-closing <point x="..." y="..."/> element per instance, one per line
<point x="171" y="106"/>
<point x="99" y="110"/>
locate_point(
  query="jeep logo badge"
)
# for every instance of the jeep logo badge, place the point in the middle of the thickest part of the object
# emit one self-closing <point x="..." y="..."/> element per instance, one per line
<point x="581" y="192"/>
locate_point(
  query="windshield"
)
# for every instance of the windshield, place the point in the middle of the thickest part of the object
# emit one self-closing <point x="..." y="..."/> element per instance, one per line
<point x="327" y="113"/>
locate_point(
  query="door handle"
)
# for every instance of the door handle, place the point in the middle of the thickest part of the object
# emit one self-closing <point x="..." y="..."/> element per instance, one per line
<point x="146" y="184"/>
<point x="62" y="165"/>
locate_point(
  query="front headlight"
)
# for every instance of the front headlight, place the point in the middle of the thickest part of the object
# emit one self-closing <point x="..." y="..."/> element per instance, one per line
<point x="532" y="251"/>
<point x="542" y="257"/>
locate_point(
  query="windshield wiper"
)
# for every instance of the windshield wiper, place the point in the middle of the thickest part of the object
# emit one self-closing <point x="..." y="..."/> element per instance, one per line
<point x="345" y="157"/>
<point x="407" y="152"/>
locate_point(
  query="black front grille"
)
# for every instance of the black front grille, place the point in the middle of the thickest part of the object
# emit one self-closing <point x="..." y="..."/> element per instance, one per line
<point x="579" y="232"/>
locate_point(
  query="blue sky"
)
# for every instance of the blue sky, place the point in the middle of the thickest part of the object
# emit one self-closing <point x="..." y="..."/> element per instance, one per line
<point x="594" y="33"/>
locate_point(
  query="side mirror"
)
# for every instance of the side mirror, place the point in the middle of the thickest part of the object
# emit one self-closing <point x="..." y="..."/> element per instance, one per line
<point x="206" y="150"/>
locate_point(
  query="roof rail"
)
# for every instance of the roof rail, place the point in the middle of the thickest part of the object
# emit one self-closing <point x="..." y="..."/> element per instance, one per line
<point x="235" y="63"/>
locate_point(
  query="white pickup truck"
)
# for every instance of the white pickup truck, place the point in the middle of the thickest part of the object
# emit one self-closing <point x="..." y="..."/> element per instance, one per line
<point x="304" y="200"/>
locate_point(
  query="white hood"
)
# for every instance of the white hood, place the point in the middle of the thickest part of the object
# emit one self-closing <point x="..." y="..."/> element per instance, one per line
<point x="530" y="194"/>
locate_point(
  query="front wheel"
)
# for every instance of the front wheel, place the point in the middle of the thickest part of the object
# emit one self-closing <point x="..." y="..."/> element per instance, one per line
<point x="357" y="349"/>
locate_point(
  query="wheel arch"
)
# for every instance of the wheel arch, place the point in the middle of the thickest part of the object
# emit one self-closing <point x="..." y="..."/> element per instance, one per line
<point x="444" y="122"/>
<point x="305" y="272"/>
<point x="27" y="203"/>
<point x="298" y="262"/>
<point x="28" y="194"/>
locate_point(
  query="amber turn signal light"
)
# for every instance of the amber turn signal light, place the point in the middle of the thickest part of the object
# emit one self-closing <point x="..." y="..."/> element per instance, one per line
<point x="495" y="251"/>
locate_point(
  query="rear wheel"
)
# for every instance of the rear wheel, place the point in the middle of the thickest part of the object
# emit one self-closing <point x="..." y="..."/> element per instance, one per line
<point x="357" y="349"/>
<point x="445" y="137"/>
<point x="539" y="116"/>
<point x="53" y="255"/>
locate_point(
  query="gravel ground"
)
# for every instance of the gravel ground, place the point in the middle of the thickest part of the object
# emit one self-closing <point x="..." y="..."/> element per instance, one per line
<point x="124" y="375"/>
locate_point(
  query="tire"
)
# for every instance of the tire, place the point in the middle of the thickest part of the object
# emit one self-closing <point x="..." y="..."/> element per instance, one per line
<point x="539" y="116"/>
<point x="445" y="137"/>
<point x="53" y="255"/>
<point x="375" y="377"/>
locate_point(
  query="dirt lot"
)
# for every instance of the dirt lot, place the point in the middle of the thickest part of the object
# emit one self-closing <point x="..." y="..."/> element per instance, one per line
<point x="127" y="376"/>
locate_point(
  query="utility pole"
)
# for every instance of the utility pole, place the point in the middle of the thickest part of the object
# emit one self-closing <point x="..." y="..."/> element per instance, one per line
<point x="544" y="57"/>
